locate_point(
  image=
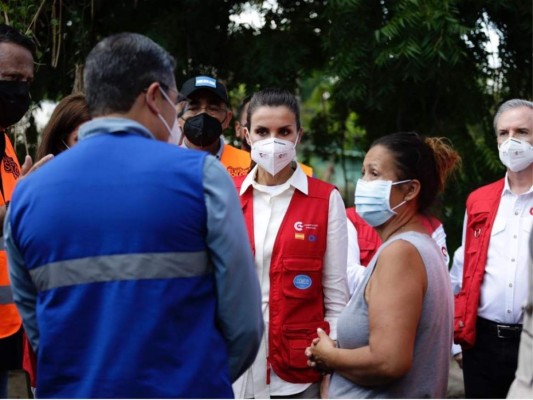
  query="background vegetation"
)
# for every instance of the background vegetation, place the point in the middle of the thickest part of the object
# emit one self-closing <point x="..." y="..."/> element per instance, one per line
<point x="362" y="68"/>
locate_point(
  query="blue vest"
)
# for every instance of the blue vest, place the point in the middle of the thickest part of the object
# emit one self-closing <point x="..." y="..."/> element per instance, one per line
<point x="113" y="234"/>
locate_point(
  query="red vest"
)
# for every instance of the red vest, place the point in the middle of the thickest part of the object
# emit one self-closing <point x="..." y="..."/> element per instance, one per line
<point x="367" y="237"/>
<point x="296" y="294"/>
<point x="481" y="208"/>
<point x="369" y="240"/>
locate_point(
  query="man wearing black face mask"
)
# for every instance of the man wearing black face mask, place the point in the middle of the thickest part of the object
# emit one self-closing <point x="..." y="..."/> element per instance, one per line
<point x="205" y="115"/>
<point x="16" y="74"/>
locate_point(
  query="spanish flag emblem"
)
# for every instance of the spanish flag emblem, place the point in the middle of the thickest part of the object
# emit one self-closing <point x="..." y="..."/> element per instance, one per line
<point x="299" y="236"/>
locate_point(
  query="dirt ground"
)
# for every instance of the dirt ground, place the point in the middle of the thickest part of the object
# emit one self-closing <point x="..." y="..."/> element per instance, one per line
<point x="17" y="386"/>
<point x="19" y="389"/>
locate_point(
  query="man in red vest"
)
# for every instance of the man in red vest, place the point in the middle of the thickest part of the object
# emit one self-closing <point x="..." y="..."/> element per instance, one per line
<point x="498" y="222"/>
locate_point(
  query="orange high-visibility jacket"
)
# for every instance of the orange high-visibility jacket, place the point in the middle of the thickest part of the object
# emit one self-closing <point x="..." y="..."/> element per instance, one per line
<point x="10" y="320"/>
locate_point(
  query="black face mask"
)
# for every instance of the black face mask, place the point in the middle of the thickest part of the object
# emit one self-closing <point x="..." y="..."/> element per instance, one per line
<point x="202" y="130"/>
<point x="14" y="102"/>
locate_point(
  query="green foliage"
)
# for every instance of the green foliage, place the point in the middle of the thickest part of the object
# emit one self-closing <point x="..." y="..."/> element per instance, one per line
<point x="423" y="65"/>
<point x="361" y="68"/>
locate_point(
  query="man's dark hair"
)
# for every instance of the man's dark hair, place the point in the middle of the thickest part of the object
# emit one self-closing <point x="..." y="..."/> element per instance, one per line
<point x="8" y="34"/>
<point x="120" y="67"/>
<point x="240" y="109"/>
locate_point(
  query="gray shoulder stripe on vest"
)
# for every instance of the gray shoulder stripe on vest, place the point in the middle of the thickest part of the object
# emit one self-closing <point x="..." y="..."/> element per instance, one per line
<point x="6" y="295"/>
<point x="121" y="267"/>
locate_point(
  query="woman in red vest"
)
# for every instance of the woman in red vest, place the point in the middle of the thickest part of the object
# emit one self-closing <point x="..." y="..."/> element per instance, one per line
<point x="297" y="230"/>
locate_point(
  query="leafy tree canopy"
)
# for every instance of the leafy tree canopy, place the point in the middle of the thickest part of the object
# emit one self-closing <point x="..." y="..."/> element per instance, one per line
<point x="362" y="68"/>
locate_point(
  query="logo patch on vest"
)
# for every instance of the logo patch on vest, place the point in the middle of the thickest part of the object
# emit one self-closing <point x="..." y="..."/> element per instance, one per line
<point x="312" y="238"/>
<point x="299" y="236"/>
<point x="300" y="226"/>
<point x="11" y="167"/>
<point x="302" y="282"/>
<point x="237" y="171"/>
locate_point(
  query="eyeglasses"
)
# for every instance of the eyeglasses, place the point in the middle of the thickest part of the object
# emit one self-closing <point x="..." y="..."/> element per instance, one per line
<point x="214" y="110"/>
<point x="179" y="97"/>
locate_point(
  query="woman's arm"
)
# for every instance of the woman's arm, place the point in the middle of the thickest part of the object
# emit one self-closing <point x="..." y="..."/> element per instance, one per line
<point x="395" y="295"/>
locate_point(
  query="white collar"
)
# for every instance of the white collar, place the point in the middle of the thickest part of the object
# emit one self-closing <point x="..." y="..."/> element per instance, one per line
<point x="298" y="180"/>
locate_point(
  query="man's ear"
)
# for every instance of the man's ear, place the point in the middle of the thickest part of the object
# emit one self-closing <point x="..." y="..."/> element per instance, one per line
<point x="151" y="97"/>
<point x="247" y="135"/>
<point x="227" y="120"/>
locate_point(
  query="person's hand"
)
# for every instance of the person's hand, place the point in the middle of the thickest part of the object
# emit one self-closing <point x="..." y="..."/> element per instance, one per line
<point x="459" y="359"/>
<point x="318" y="352"/>
<point x="28" y="167"/>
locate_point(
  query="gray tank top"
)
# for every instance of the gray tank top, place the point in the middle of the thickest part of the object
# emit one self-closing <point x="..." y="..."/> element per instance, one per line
<point x="428" y="376"/>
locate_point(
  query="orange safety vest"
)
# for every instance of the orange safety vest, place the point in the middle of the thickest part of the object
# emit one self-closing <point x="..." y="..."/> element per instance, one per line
<point x="296" y="295"/>
<point x="238" y="162"/>
<point x="307" y="169"/>
<point x="10" y="320"/>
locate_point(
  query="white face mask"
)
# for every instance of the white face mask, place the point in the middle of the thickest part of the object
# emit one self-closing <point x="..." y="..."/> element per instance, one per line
<point x="273" y="154"/>
<point x="372" y="201"/>
<point x="516" y="154"/>
<point x="175" y="134"/>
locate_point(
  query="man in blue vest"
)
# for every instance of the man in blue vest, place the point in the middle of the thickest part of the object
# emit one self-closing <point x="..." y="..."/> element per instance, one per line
<point x="127" y="255"/>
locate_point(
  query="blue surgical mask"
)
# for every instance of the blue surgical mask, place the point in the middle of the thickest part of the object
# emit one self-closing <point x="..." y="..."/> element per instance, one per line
<point x="372" y="201"/>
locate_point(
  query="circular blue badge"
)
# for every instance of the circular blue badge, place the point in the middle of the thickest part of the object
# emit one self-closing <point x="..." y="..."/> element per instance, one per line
<point x="302" y="282"/>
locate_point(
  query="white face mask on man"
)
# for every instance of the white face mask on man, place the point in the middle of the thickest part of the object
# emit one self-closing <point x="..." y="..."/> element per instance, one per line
<point x="175" y="133"/>
<point x="516" y="154"/>
<point x="273" y="154"/>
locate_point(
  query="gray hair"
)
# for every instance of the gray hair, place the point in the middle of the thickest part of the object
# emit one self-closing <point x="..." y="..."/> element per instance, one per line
<point x="122" y="66"/>
<point x="508" y="105"/>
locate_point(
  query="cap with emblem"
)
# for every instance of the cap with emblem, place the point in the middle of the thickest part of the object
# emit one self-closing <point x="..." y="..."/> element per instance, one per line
<point x="205" y="83"/>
